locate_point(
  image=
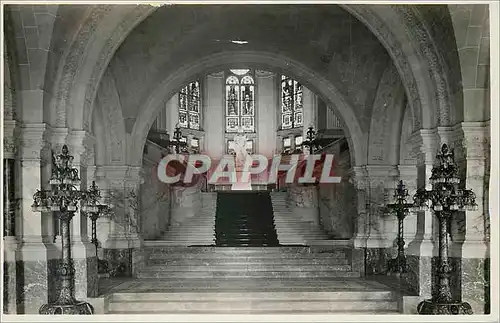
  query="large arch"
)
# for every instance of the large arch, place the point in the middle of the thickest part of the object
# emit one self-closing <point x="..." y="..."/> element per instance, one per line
<point x="263" y="60"/>
<point x="413" y="52"/>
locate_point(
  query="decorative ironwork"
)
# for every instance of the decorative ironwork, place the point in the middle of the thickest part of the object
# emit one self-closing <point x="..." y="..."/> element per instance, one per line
<point x="94" y="214"/>
<point x="311" y="140"/>
<point x="64" y="199"/>
<point x="444" y="199"/>
<point x="178" y="142"/>
<point x="401" y="208"/>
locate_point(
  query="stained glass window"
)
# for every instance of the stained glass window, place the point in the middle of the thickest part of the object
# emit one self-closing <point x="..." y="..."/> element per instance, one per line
<point x="291" y="103"/>
<point x="240" y="101"/>
<point x="190" y="106"/>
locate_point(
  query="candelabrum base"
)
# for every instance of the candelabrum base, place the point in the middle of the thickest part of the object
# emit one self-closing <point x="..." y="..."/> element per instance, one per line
<point x="77" y="308"/>
<point x="397" y="266"/>
<point x="431" y="307"/>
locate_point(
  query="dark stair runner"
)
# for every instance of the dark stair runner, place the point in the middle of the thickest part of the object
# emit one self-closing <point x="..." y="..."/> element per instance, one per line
<point x="245" y="219"/>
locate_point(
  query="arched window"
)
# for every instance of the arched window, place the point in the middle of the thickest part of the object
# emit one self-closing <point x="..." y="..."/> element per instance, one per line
<point x="291" y="103"/>
<point x="240" y="101"/>
<point x="190" y="106"/>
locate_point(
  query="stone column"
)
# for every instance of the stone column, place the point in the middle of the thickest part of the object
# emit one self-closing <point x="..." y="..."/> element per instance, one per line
<point x="172" y="111"/>
<point x="123" y="183"/>
<point x="10" y="241"/>
<point x="38" y="257"/>
<point x="309" y="110"/>
<point x="133" y="182"/>
<point x="81" y="145"/>
<point x="266" y="112"/>
<point x="214" y="116"/>
<point x="470" y="249"/>
<point x="422" y="249"/>
<point x="379" y="242"/>
<point x="358" y="177"/>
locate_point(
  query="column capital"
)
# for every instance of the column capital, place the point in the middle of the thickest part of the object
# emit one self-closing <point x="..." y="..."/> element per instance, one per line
<point x="32" y="140"/>
<point x="357" y="176"/>
<point x="10" y="138"/>
<point x="57" y="137"/>
<point x="381" y="174"/>
<point x="429" y="145"/>
<point x="134" y="176"/>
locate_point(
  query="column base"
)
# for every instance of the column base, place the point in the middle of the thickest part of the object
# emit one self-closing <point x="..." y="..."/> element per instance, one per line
<point x="76" y="308"/>
<point x="431" y="307"/>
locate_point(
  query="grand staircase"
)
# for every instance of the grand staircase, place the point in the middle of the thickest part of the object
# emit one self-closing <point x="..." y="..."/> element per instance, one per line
<point x="245" y="219"/>
<point x="249" y="280"/>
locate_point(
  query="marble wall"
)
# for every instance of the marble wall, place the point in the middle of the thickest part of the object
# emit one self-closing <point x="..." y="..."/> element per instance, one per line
<point x="119" y="262"/>
<point x="155" y="196"/>
<point x="337" y="209"/>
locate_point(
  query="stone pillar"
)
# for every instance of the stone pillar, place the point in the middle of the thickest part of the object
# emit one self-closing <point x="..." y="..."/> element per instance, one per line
<point x="421" y="250"/>
<point x="133" y="182"/>
<point x="266" y="117"/>
<point x="379" y="243"/>
<point x="38" y="258"/>
<point x="215" y="145"/>
<point x="117" y="249"/>
<point x="309" y="110"/>
<point x="10" y="241"/>
<point x="81" y="145"/>
<point x="358" y="177"/>
<point x="172" y="111"/>
<point x="470" y="248"/>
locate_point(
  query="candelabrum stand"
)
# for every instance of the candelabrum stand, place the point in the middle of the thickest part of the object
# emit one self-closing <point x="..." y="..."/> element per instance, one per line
<point x="401" y="208"/>
<point x="310" y="141"/>
<point x="100" y="210"/>
<point x="444" y="199"/>
<point x="63" y="198"/>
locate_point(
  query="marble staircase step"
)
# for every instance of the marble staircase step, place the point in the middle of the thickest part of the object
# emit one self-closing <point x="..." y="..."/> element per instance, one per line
<point x="277" y="294"/>
<point x="248" y="261"/>
<point x="247" y="274"/>
<point x="246" y="256"/>
<point x="255" y="267"/>
<point x="210" y="251"/>
<point x="252" y="306"/>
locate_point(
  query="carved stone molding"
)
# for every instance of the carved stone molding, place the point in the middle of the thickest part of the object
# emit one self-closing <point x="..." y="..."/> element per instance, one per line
<point x="418" y="28"/>
<point x="10" y="138"/>
<point x="266" y="74"/>
<point x="136" y="15"/>
<point x="72" y="62"/>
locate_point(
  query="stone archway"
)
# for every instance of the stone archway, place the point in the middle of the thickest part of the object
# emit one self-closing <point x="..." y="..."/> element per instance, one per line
<point x="112" y="25"/>
<point x="263" y="60"/>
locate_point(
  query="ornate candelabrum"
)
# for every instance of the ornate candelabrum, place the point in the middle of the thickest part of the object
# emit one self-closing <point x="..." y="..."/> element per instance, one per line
<point x="177" y="140"/>
<point x="64" y="199"/>
<point x="98" y="210"/>
<point x="310" y="141"/>
<point x="444" y="199"/>
<point x="401" y="208"/>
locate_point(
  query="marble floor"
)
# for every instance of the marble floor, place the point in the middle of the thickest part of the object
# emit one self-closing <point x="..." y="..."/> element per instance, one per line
<point x="250" y="295"/>
<point x="129" y="285"/>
